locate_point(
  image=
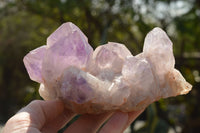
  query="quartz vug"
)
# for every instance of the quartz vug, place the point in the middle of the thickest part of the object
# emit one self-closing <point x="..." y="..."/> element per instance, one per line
<point x="108" y="78"/>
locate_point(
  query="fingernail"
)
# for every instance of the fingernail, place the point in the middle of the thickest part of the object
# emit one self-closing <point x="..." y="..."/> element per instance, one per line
<point x="121" y="120"/>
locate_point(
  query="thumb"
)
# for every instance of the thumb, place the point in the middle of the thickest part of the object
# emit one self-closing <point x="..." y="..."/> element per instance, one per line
<point x="39" y="112"/>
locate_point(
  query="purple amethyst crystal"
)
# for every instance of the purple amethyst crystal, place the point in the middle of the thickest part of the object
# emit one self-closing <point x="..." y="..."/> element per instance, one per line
<point x="108" y="79"/>
<point x="33" y="63"/>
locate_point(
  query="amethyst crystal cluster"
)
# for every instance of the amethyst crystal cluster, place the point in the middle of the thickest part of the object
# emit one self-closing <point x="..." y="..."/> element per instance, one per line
<point x="108" y="78"/>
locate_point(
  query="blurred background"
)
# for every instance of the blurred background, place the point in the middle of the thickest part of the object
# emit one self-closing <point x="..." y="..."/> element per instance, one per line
<point x="25" y="25"/>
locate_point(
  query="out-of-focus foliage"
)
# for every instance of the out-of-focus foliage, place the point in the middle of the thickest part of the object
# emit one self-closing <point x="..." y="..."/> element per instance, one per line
<point x="25" y="25"/>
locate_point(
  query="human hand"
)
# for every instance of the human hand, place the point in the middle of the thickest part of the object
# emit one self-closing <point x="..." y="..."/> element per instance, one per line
<point x="50" y="116"/>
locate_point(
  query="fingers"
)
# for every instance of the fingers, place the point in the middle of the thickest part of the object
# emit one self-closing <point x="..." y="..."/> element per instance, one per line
<point x="133" y="116"/>
<point x="116" y="123"/>
<point x="34" y="116"/>
<point x="48" y="116"/>
<point x="19" y="123"/>
<point x="58" y="123"/>
<point x="88" y="123"/>
<point x="42" y="111"/>
<point x="119" y="122"/>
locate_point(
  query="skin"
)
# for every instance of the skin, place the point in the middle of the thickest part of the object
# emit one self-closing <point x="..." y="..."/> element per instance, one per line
<point x="50" y="116"/>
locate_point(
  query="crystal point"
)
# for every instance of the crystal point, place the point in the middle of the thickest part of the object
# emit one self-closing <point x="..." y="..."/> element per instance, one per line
<point x="68" y="46"/>
<point x="108" y="60"/>
<point x="33" y="63"/>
